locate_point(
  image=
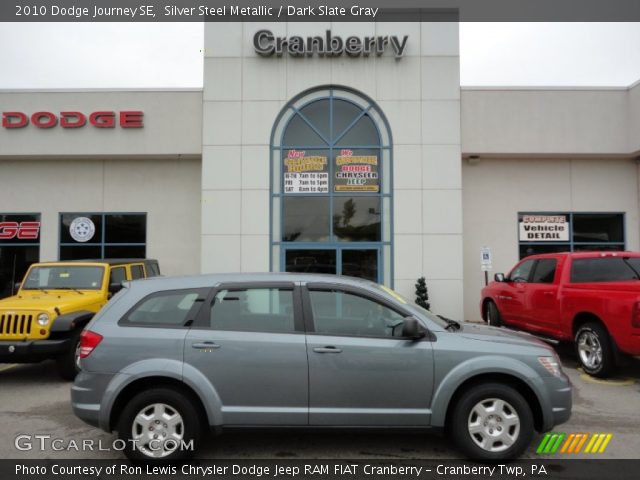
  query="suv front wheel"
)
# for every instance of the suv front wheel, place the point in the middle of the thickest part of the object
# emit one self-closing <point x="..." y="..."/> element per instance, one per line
<point x="492" y="422"/>
<point x="159" y="424"/>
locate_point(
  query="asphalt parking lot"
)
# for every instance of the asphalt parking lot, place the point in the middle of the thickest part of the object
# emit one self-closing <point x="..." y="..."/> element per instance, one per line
<point x="35" y="401"/>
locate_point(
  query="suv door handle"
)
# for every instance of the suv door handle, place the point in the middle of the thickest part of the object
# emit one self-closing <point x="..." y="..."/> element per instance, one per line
<point x="327" y="350"/>
<point x="205" y="346"/>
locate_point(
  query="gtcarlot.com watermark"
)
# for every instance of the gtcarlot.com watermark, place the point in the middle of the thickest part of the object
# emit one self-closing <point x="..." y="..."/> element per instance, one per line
<point x="45" y="442"/>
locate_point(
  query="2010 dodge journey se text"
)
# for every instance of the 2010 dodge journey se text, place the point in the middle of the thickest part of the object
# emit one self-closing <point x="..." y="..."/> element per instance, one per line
<point x="168" y="356"/>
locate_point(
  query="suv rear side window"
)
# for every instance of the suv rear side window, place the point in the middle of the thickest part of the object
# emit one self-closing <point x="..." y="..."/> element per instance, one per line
<point x="607" y="269"/>
<point x="342" y="313"/>
<point x="253" y="310"/>
<point x="171" y="308"/>
<point x="545" y="271"/>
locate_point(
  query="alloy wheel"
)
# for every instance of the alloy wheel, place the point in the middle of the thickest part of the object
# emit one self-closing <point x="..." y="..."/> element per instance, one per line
<point x="494" y="425"/>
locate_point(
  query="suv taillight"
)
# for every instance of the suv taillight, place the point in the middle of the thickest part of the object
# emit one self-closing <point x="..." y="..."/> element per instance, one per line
<point x="88" y="342"/>
<point x="635" y="315"/>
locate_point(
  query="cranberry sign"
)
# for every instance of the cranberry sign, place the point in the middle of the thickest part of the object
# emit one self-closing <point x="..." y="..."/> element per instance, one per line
<point x="72" y="119"/>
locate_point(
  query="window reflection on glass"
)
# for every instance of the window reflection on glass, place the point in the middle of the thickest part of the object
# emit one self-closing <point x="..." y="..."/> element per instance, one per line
<point x="356" y="219"/>
<point x="361" y="264"/>
<point x="596" y="228"/>
<point x="306" y="219"/>
<point x="300" y="133"/>
<point x="311" y="261"/>
<point x="344" y="114"/>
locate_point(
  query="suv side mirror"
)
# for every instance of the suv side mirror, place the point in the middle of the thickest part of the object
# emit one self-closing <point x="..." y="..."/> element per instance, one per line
<point x="115" y="287"/>
<point x="499" y="277"/>
<point x="411" y="328"/>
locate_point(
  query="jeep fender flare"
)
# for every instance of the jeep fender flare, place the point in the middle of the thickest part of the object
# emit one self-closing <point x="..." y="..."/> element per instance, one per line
<point x="473" y="367"/>
<point x="71" y="321"/>
<point x="162" y="368"/>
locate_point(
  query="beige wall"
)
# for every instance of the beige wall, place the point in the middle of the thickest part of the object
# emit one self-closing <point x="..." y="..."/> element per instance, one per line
<point x="168" y="190"/>
<point x="172" y="123"/>
<point x="547" y="121"/>
<point x="495" y="190"/>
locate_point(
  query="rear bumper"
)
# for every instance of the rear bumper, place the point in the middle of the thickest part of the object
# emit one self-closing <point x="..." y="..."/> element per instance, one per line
<point x="26" y="351"/>
<point x="87" y="393"/>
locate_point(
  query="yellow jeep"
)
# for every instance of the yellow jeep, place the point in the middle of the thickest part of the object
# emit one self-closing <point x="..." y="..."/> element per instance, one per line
<point x="53" y="304"/>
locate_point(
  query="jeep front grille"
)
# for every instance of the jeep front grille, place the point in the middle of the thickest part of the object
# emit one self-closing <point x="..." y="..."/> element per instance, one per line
<point x="15" y="324"/>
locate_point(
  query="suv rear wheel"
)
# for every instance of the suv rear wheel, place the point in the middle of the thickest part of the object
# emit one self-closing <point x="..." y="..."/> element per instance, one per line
<point x="159" y="424"/>
<point x="594" y="351"/>
<point x="492" y="422"/>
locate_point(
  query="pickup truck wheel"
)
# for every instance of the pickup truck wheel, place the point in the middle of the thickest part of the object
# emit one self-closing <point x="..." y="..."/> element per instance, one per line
<point x="68" y="363"/>
<point x="594" y="350"/>
<point x="492" y="314"/>
<point x="492" y="422"/>
<point x="156" y="424"/>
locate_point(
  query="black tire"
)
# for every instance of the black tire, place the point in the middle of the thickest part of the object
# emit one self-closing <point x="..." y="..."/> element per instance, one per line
<point x="175" y="402"/>
<point x="512" y="423"/>
<point x="600" y="362"/>
<point x="492" y="314"/>
<point x="67" y="363"/>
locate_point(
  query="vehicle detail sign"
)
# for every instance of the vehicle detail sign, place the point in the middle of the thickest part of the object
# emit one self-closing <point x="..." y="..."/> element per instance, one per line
<point x="544" y="228"/>
<point x="355" y="173"/>
<point x="305" y="174"/>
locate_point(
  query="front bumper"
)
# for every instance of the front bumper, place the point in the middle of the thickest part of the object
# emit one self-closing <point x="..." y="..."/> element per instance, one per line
<point x="27" y="351"/>
<point x="557" y="402"/>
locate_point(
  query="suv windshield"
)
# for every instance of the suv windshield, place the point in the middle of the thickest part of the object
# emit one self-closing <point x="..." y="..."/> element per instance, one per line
<point x="64" y="277"/>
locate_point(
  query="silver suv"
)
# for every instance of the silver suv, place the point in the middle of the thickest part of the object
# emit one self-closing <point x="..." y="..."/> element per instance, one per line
<point x="168" y="356"/>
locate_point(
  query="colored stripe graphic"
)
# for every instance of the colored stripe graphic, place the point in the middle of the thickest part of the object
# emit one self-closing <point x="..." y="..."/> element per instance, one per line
<point x="573" y="443"/>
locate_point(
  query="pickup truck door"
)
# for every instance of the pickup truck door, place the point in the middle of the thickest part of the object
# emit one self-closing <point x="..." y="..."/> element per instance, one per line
<point x="541" y="312"/>
<point x="510" y="298"/>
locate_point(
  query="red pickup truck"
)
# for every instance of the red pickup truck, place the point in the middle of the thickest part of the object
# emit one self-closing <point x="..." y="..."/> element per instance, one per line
<point x="589" y="298"/>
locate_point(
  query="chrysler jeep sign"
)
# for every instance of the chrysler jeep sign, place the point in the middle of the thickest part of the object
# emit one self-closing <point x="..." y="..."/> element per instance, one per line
<point x="100" y="119"/>
<point x="265" y="43"/>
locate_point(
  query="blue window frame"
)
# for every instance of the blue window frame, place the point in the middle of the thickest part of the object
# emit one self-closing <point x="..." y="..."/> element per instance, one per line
<point x="331" y="186"/>
<point x="88" y="235"/>
<point x="586" y="231"/>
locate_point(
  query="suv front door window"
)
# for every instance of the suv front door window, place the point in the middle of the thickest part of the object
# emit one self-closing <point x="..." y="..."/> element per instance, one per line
<point x="361" y="372"/>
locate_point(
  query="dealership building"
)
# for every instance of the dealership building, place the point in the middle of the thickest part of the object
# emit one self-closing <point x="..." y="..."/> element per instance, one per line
<point x="344" y="148"/>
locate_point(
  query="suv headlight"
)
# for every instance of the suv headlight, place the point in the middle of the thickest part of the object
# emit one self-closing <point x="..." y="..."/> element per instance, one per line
<point x="43" y="319"/>
<point x="552" y="365"/>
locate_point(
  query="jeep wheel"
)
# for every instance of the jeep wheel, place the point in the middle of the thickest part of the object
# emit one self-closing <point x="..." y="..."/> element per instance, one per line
<point x="594" y="351"/>
<point x="69" y="362"/>
<point x="159" y="424"/>
<point x="492" y="314"/>
<point x="492" y="422"/>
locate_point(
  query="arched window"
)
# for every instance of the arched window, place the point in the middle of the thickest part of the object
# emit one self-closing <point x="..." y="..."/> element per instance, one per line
<point x="331" y="200"/>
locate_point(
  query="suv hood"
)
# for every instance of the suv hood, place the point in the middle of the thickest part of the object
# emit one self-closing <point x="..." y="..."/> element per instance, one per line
<point x="65" y="300"/>
<point x="486" y="333"/>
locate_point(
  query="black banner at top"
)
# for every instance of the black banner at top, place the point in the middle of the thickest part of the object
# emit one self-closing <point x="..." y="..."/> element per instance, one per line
<point x="313" y="11"/>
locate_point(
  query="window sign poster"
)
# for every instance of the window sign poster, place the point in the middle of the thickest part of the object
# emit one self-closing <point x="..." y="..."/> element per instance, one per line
<point x="305" y="174"/>
<point x="544" y="228"/>
<point x="356" y="173"/>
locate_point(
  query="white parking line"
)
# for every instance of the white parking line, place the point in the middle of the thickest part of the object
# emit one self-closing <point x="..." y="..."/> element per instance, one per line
<point x="7" y="367"/>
